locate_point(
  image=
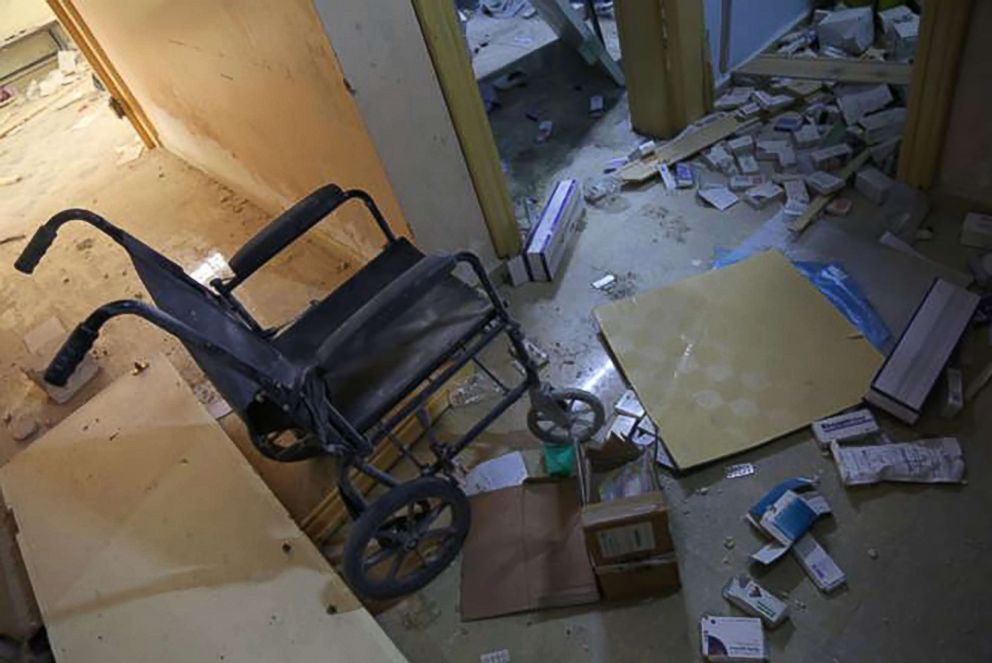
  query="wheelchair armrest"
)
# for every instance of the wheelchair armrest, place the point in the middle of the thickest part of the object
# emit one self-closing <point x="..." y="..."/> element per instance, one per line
<point x="291" y="224"/>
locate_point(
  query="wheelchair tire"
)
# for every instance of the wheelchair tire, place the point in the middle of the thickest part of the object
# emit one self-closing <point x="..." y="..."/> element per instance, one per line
<point x="587" y="422"/>
<point x="380" y="552"/>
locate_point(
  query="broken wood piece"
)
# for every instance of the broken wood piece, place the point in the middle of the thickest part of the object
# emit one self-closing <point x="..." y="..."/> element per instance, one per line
<point x="680" y="148"/>
<point x="846" y="70"/>
<point x="820" y="202"/>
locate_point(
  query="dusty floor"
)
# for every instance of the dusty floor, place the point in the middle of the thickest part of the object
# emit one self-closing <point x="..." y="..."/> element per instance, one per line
<point x="160" y="199"/>
<point x="924" y="598"/>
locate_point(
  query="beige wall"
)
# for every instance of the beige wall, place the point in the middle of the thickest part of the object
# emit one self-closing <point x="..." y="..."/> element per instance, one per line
<point x="17" y="16"/>
<point x="383" y="55"/>
<point x="250" y="92"/>
<point x="966" y="161"/>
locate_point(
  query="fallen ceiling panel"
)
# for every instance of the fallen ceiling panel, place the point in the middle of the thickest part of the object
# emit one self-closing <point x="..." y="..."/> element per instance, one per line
<point x="733" y="358"/>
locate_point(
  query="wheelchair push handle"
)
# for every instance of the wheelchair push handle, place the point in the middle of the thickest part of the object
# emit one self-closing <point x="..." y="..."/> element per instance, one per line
<point x="36" y="248"/>
<point x="70" y="355"/>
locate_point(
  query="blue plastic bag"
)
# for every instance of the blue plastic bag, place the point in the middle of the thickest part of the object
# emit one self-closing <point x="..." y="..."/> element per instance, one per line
<point x="836" y="285"/>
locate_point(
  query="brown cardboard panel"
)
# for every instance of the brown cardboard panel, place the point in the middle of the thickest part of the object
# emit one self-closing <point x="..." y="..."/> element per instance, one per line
<point x="733" y="358"/>
<point x="525" y="551"/>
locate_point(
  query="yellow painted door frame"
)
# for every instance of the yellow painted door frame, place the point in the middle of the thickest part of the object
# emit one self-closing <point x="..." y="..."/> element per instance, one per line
<point x="943" y="30"/>
<point x="443" y="36"/>
<point x="70" y="19"/>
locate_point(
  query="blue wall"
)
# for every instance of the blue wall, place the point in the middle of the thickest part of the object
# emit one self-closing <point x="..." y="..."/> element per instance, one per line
<point x="754" y="24"/>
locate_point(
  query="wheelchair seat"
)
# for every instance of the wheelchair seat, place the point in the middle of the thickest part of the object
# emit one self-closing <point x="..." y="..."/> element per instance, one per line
<point x="385" y="330"/>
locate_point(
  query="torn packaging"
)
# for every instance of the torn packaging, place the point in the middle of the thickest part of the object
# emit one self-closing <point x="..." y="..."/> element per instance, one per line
<point x="938" y="460"/>
<point x="857" y="101"/>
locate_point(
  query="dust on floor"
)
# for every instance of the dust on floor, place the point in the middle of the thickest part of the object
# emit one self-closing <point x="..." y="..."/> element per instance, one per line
<point x="72" y="157"/>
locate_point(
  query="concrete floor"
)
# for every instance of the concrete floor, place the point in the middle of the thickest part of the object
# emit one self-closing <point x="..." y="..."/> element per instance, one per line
<point x="924" y="598"/>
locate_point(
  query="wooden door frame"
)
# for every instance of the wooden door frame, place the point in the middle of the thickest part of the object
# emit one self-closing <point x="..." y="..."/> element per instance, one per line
<point x="73" y="23"/>
<point x="443" y="37"/>
<point x="943" y="32"/>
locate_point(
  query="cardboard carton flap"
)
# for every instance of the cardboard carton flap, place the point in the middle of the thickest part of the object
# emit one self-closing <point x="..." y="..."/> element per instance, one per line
<point x="617" y="511"/>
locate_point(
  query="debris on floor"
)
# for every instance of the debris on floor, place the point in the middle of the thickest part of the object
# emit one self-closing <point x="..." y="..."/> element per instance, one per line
<point x="843" y="428"/>
<point x="501" y="472"/>
<point x="786" y="515"/>
<point x="42" y="344"/>
<point x="914" y="365"/>
<point x="498" y="656"/>
<point x="129" y="152"/>
<point x="937" y="460"/>
<point x="473" y="389"/>
<point x="743" y="592"/>
<point x="739" y="470"/>
<point x="605" y="282"/>
<point x="548" y="241"/>
<point x="732" y="639"/>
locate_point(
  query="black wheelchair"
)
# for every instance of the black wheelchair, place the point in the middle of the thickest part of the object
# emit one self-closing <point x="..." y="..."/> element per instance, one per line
<point x="340" y="377"/>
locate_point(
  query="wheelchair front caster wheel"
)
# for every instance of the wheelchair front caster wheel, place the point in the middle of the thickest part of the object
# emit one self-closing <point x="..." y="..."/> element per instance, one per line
<point x="406" y="538"/>
<point x="584" y="412"/>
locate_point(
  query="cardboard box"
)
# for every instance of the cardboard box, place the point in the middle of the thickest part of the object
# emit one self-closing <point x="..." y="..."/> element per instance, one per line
<point x="558" y="223"/>
<point x="634" y="580"/>
<point x="915" y="363"/>
<point x="526" y="551"/>
<point x="623" y="530"/>
<point x="976" y="231"/>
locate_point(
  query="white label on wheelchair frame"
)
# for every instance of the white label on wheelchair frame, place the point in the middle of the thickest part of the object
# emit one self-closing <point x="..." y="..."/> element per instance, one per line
<point x="624" y="540"/>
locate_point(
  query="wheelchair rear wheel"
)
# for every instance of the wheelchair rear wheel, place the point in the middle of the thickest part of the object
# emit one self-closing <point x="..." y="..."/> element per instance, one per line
<point x="585" y="415"/>
<point x="406" y="538"/>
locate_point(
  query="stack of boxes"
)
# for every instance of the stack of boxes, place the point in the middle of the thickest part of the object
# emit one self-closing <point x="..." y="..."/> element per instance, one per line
<point x="624" y="513"/>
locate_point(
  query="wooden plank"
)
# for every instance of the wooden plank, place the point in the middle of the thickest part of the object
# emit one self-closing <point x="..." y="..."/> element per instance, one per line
<point x="147" y="537"/>
<point x="680" y="148"/>
<point x="443" y="36"/>
<point x="828" y="69"/>
<point x="77" y="28"/>
<point x="943" y="31"/>
<point x="804" y="220"/>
